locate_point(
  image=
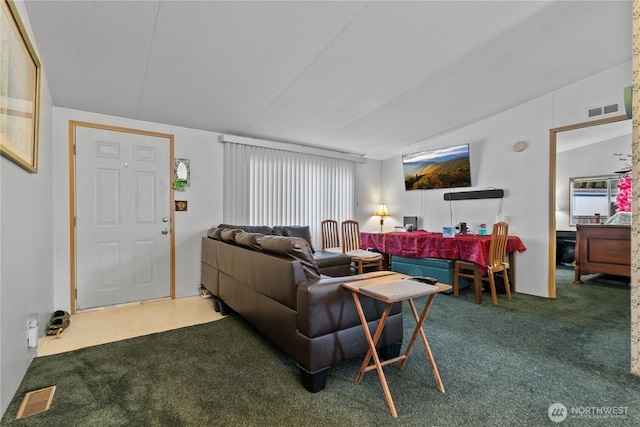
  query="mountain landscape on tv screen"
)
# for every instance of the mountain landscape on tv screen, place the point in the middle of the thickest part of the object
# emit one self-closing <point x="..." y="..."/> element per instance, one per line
<point x="442" y="168"/>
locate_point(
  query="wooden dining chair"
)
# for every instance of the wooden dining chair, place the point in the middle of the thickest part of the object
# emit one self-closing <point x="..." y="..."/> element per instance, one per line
<point x="497" y="264"/>
<point x="331" y="236"/>
<point x="351" y="245"/>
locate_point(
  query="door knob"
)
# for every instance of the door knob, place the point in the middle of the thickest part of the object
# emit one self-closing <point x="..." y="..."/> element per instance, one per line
<point x="165" y="231"/>
<point x="165" y="219"/>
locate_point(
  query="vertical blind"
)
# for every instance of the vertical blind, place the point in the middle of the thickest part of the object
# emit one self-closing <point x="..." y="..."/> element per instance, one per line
<point x="265" y="186"/>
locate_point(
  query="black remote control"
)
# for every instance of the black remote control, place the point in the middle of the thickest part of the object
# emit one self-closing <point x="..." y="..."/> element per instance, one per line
<point x="428" y="280"/>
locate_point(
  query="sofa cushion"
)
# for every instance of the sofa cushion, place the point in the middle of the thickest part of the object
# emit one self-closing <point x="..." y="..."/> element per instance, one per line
<point x="263" y="229"/>
<point x="332" y="264"/>
<point x="249" y="240"/>
<point x="215" y="233"/>
<point x="228" y="235"/>
<point x="301" y="231"/>
<point x="329" y="259"/>
<point x="365" y="255"/>
<point x="292" y="247"/>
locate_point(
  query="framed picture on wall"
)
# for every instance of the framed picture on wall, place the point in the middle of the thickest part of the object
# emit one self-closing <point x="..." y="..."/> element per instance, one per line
<point x="19" y="91"/>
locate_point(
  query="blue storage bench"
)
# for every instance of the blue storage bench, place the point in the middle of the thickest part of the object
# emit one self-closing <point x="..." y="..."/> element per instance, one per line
<point x="440" y="269"/>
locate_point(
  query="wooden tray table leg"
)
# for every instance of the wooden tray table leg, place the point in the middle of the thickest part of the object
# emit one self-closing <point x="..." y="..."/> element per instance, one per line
<point x="372" y="351"/>
<point x="418" y="330"/>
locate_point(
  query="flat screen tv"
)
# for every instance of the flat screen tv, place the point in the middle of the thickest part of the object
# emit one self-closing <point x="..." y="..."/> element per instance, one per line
<point x="448" y="167"/>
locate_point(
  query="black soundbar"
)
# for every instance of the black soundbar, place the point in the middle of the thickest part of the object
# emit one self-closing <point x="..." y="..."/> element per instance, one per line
<point x="480" y="194"/>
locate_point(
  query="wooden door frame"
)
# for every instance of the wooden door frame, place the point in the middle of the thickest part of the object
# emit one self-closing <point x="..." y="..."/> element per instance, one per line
<point x="552" y="190"/>
<point x="72" y="201"/>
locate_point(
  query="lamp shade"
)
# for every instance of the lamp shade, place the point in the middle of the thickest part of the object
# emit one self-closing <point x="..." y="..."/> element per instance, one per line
<point x="382" y="210"/>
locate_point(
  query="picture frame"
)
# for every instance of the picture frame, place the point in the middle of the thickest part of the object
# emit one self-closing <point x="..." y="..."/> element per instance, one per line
<point x="19" y="90"/>
<point x="181" y="205"/>
<point x="182" y="171"/>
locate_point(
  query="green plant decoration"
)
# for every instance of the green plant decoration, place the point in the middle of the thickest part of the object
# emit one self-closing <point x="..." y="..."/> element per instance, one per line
<point x="180" y="184"/>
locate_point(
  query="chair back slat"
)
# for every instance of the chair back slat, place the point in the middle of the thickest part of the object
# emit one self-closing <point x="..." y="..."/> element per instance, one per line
<point x="498" y="245"/>
<point x="330" y="235"/>
<point x="350" y="236"/>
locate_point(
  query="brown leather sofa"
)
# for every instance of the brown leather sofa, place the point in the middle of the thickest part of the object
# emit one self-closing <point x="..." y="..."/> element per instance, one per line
<point x="274" y="283"/>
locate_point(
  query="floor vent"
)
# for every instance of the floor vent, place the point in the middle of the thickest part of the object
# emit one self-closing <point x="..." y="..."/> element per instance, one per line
<point x="36" y="401"/>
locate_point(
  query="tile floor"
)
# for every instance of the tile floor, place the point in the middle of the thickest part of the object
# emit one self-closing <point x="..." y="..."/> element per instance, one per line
<point x="104" y="325"/>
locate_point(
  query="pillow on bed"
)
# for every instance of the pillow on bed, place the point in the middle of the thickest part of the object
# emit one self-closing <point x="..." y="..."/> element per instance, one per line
<point x="293" y="247"/>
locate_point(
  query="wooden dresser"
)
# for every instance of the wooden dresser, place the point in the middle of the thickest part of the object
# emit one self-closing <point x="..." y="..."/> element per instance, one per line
<point x="603" y="249"/>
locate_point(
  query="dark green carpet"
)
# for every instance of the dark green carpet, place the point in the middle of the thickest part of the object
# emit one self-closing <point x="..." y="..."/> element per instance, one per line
<point x="501" y="366"/>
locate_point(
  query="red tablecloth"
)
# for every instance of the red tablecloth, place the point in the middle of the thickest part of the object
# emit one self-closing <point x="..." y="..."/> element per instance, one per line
<point x="425" y="244"/>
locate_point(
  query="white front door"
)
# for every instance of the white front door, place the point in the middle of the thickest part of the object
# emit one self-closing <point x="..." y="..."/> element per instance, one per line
<point x="123" y="217"/>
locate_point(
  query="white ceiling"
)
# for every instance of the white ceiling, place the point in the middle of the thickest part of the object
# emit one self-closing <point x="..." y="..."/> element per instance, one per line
<point x="364" y="77"/>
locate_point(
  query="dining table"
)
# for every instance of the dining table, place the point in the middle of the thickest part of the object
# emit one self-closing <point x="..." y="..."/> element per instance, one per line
<point x="428" y="244"/>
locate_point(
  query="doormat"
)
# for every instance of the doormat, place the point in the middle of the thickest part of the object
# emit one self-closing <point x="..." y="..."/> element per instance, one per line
<point x="36" y="401"/>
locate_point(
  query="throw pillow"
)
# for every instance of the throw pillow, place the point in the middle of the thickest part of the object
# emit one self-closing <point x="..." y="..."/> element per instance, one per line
<point x="295" y="248"/>
<point x="301" y="231"/>
<point x="215" y="233"/>
<point x="228" y="235"/>
<point x="263" y="229"/>
<point x="249" y="240"/>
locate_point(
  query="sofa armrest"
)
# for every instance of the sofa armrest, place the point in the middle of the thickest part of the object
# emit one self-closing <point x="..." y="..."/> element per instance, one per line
<point x="344" y="279"/>
<point x="325" y="307"/>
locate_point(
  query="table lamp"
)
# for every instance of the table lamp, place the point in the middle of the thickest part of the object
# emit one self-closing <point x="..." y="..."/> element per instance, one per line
<point x="382" y="211"/>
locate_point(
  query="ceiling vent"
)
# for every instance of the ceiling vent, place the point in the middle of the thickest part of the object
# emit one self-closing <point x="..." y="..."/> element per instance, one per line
<point x="603" y="110"/>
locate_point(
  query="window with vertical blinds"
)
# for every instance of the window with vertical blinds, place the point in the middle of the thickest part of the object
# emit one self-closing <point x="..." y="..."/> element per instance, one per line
<point x="265" y="186"/>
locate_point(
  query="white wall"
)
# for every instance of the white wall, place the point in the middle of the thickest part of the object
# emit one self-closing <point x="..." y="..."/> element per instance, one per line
<point x="524" y="176"/>
<point x="369" y="194"/>
<point x="571" y="102"/>
<point x="26" y="265"/>
<point x="204" y="197"/>
<point x="580" y="162"/>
